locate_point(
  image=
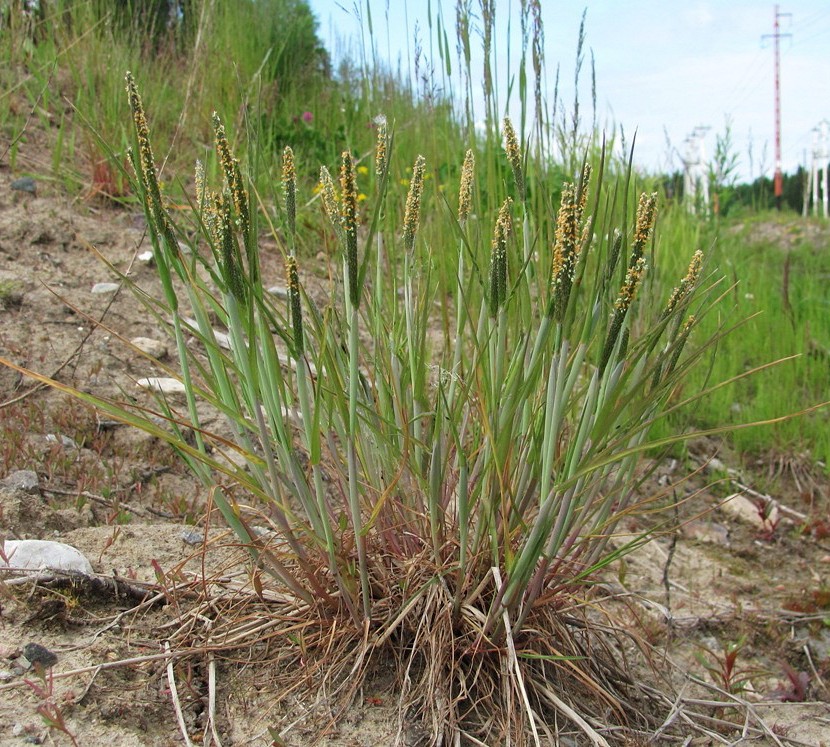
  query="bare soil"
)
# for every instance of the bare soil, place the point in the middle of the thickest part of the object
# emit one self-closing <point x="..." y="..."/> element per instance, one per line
<point x="725" y="583"/>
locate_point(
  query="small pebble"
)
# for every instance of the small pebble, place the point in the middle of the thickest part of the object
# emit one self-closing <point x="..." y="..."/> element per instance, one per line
<point x="6" y="675"/>
<point x="192" y="537"/>
<point x="25" y="184"/>
<point x="715" y="465"/>
<point x="145" y="257"/>
<point x="64" y="440"/>
<point x="104" y="288"/>
<point x="37" y="654"/>
<point x="151" y="347"/>
<point x="280" y="291"/>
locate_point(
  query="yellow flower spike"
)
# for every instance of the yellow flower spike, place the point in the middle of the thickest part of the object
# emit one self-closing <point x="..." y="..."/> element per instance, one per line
<point x="566" y="243"/>
<point x="329" y="196"/>
<point x="233" y="177"/>
<point x="498" y="258"/>
<point x="381" y="154"/>
<point x="686" y="284"/>
<point x="348" y="220"/>
<point x="289" y="185"/>
<point x="412" y="213"/>
<point x="628" y="292"/>
<point x="514" y="156"/>
<point x="465" y="191"/>
<point x="626" y="297"/>
<point x="646" y="215"/>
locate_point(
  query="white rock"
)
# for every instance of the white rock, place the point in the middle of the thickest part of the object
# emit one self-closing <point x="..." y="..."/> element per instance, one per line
<point x="145" y="257"/>
<point x="150" y="346"/>
<point x="280" y="291"/>
<point x="745" y="509"/>
<point x="714" y="465"/>
<point x="162" y="384"/>
<point x="103" y="288"/>
<point x="37" y="555"/>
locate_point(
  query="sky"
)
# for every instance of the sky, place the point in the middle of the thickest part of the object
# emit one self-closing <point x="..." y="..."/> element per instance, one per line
<point x="663" y="67"/>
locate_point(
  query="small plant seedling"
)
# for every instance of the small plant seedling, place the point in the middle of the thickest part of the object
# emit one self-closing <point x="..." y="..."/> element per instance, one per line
<point x="794" y="689"/>
<point x="49" y="709"/>
<point x="723" y="667"/>
<point x="770" y="520"/>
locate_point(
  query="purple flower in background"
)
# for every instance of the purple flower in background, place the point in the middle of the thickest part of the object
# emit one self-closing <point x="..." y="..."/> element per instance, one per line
<point x="308" y="117"/>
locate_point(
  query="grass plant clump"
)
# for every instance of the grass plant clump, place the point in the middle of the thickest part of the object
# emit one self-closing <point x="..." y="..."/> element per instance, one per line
<point x="444" y="493"/>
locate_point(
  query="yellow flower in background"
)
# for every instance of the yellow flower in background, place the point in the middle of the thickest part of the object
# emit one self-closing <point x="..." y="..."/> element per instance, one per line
<point x="361" y="197"/>
<point x="362" y="170"/>
<point x="405" y="182"/>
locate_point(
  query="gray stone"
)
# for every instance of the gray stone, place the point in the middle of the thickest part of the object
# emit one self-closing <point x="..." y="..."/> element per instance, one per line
<point x="38" y="555"/>
<point x="37" y="654"/>
<point x="708" y="532"/>
<point x="191" y="537"/>
<point x="63" y="440"/>
<point x="280" y="291"/>
<point x="104" y="288"/>
<point x="25" y="184"/>
<point x="24" y="480"/>
<point x="151" y="347"/>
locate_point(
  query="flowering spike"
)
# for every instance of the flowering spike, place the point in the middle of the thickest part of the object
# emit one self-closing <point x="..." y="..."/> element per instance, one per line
<point x="328" y="195"/>
<point x="289" y="185"/>
<point x="201" y="188"/>
<point x="381" y="149"/>
<point x="293" y="279"/>
<point x="498" y="258"/>
<point x="514" y="156"/>
<point x="145" y="167"/>
<point x="348" y="220"/>
<point x="565" y="250"/>
<point x="646" y="215"/>
<point x="412" y="213"/>
<point x="465" y="192"/>
<point x="686" y="284"/>
<point x="626" y="297"/>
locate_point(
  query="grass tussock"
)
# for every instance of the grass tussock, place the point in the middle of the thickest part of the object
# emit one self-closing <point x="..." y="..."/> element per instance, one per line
<point x="446" y="491"/>
<point x="436" y="461"/>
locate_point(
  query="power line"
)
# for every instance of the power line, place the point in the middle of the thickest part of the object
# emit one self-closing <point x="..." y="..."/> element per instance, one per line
<point x="777" y="36"/>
